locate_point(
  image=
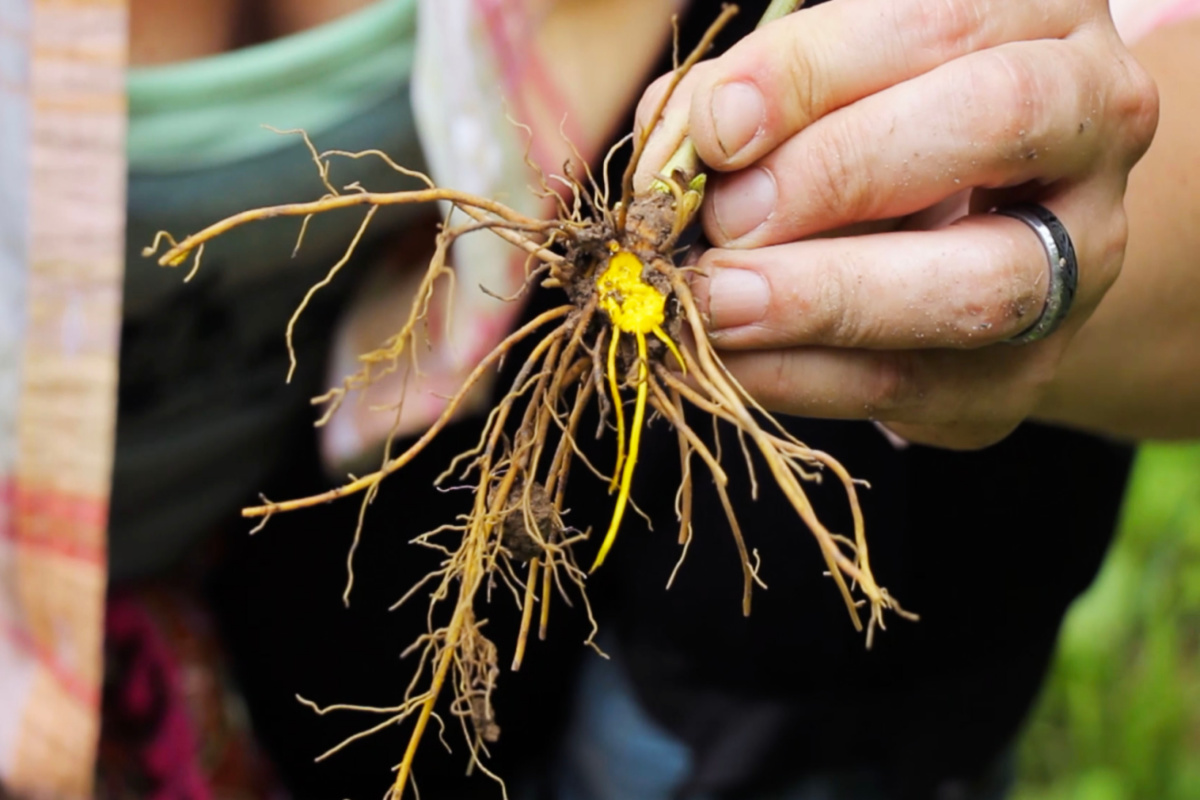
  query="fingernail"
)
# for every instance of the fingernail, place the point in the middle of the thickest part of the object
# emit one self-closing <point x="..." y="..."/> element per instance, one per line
<point x="736" y="297"/>
<point x="743" y="201"/>
<point x="738" y="115"/>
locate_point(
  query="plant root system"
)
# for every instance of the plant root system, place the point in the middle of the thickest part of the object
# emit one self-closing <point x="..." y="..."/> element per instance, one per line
<point x="628" y="334"/>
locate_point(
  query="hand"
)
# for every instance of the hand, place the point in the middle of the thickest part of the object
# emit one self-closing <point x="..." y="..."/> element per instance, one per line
<point x="917" y="116"/>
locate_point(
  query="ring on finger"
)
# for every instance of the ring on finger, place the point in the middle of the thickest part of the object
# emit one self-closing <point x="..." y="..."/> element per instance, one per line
<point x="1063" y="264"/>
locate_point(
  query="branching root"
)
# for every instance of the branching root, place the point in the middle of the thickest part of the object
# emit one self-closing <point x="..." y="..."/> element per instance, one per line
<point x="630" y="333"/>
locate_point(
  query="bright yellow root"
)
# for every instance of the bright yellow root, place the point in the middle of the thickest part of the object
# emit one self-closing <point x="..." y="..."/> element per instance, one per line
<point x="635" y="437"/>
<point x="633" y="306"/>
<point x="662" y="337"/>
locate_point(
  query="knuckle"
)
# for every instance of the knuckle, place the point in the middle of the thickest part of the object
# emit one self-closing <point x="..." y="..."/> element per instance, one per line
<point x="779" y="392"/>
<point x="1010" y="113"/>
<point x="1108" y="261"/>
<point x="947" y="27"/>
<point x="892" y="383"/>
<point x="837" y="191"/>
<point x="805" y="87"/>
<point x="1136" y="105"/>
<point x="1118" y="235"/>
<point x="832" y="321"/>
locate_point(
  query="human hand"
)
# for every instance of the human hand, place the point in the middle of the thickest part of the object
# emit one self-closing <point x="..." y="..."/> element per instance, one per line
<point x="916" y="117"/>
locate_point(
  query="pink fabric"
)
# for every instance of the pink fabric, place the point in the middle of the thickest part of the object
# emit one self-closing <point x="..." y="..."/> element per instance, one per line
<point x="151" y="690"/>
<point x="1136" y="18"/>
<point x="1177" y="12"/>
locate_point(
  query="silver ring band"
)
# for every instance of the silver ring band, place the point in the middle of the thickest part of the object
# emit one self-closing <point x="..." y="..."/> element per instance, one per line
<point x="1064" y="268"/>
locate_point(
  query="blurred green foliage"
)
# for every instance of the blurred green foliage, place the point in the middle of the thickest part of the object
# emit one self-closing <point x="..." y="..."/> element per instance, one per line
<point x="1119" y="718"/>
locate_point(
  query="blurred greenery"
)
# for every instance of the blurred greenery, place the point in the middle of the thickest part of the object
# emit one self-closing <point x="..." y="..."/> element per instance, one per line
<point x="1119" y="718"/>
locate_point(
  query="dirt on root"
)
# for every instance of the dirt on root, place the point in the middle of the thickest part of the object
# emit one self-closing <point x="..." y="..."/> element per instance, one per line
<point x="514" y="532"/>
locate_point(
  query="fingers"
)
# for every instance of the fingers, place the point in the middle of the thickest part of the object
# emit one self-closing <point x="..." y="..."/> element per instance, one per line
<point x="780" y="79"/>
<point x="977" y="282"/>
<point x="1012" y="114"/>
<point x="964" y="284"/>
<point x="908" y="327"/>
<point x="900" y="113"/>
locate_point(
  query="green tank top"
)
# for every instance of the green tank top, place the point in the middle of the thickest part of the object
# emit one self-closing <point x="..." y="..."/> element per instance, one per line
<point x="204" y="412"/>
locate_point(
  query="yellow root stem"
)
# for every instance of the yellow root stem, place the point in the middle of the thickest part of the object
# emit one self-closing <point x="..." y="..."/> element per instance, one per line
<point x="635" y="437"/>
<point x="662" y="337"/>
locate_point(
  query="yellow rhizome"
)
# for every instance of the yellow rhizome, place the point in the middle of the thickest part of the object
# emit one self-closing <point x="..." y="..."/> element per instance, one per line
<point x="635" y="307"/>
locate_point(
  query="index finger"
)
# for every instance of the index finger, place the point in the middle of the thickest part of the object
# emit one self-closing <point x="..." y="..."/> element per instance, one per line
<point x="791" y="72"/>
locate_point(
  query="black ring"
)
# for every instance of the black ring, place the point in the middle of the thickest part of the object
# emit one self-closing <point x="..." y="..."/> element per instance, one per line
<point x="1064" y="268"/>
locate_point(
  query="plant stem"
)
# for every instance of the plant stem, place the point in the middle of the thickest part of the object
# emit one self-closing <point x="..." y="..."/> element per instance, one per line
<point x="684" y="160"/>
<point x="779" y="8"/>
